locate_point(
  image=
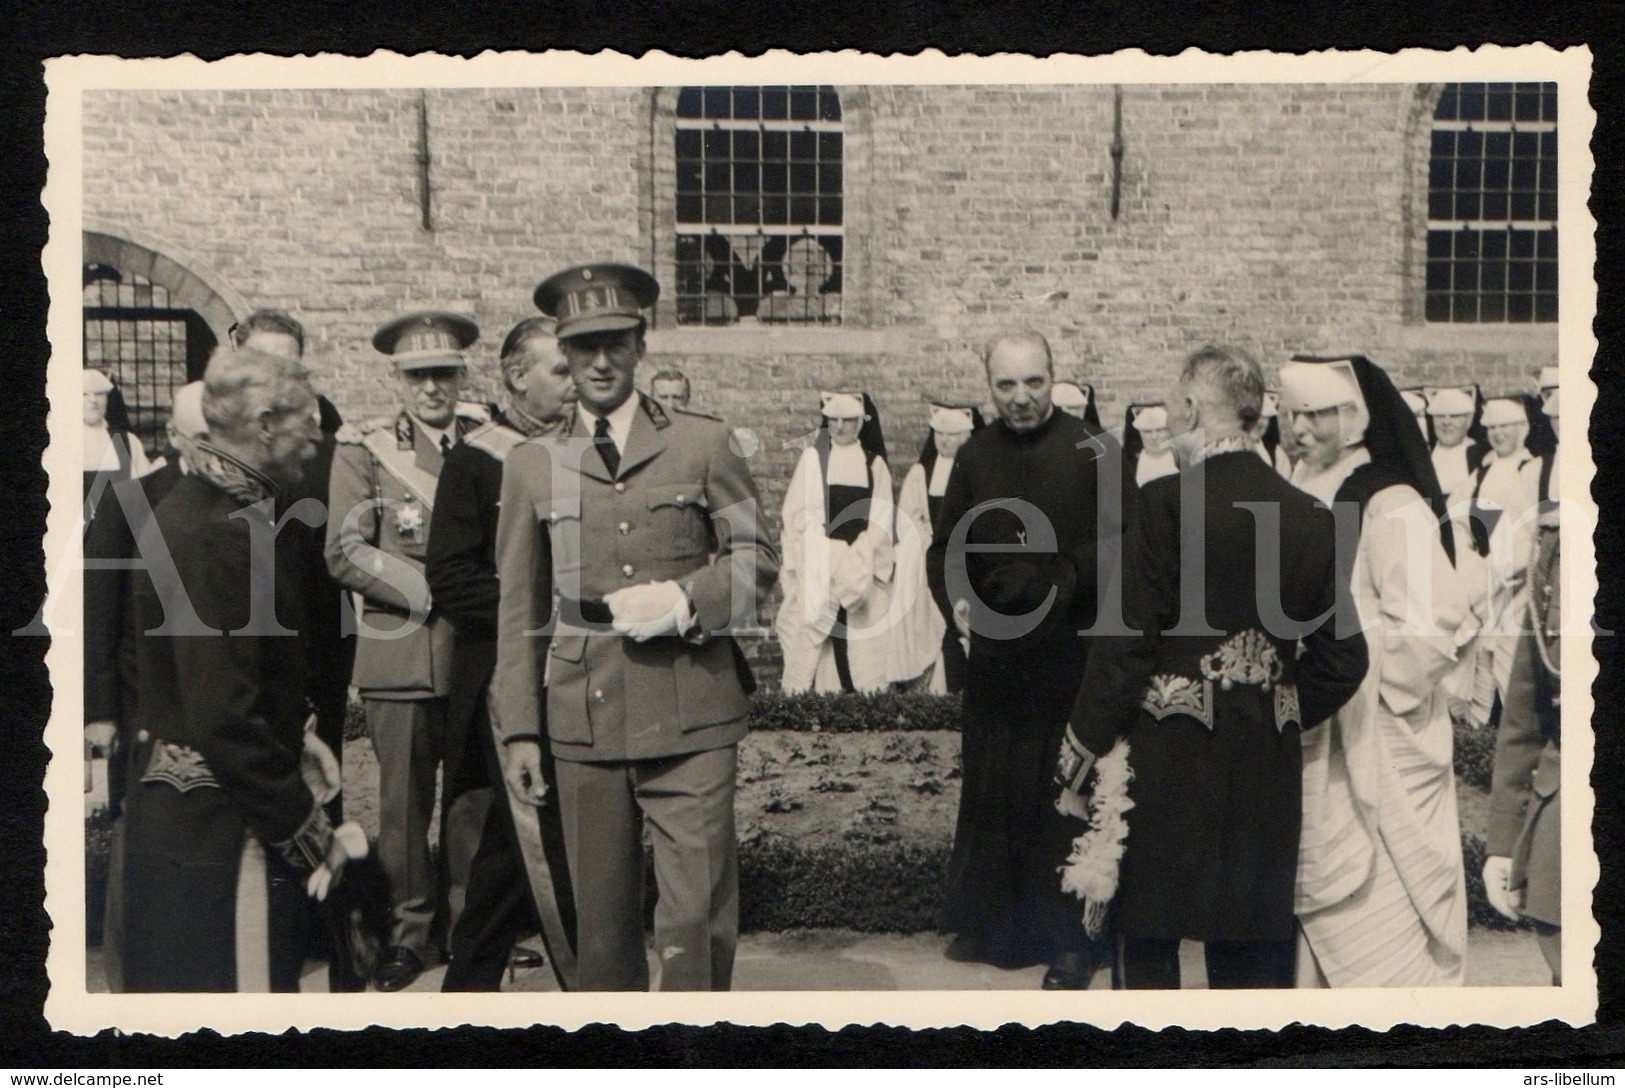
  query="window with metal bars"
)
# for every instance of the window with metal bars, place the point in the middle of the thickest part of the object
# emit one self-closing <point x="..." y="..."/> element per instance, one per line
<point x="1492" y="204"/>
<point x="759" y="216"/>
<point x="147" y="346"/>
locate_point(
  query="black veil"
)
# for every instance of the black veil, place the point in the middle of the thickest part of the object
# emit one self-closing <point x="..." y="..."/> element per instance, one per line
<point x="1399" y="453"/>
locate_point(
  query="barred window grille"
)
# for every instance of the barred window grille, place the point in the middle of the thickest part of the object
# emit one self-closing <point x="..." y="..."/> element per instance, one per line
<point x="1492" y="204"/>
<point x="146" y="345"/>
<point x="759" y="215"/>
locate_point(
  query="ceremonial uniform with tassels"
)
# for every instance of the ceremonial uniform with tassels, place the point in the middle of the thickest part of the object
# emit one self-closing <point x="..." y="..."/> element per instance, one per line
<point x="222" y="830"/>
<point x="382" y="493"/>
<point x="1213" y="719"/>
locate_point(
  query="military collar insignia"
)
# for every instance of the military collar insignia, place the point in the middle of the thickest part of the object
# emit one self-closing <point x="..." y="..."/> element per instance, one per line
<point x="655" y="411"/>
<point x="405" y="430"/>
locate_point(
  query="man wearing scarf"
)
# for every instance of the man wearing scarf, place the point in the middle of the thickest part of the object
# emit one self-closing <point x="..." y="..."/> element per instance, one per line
<point x="509" y="893"/>
<point x="1031" y="530"/>
<point x="1213" y="718"/>
<point x="226" y="827"/>
<point x="1381" y="896"/>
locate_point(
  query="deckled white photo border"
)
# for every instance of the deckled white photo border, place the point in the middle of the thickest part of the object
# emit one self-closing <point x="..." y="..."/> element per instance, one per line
<point x="70" y="1007"/>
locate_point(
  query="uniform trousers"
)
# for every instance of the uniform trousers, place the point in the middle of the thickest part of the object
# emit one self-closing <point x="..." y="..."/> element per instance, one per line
<point x="408" y="736"/>
<point x="499" y="908"/>
<point x="688" y="801"/>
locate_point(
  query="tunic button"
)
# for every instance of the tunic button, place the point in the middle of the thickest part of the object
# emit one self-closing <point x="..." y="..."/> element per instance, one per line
<point x="620" y="485"/>
<point x="626" y="571"/>
<point x="682" y="498"/>
<point x="624" y="527"/>
<point x="599" y="695"/>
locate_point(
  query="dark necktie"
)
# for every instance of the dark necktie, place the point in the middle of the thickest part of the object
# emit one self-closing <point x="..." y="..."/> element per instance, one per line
<point x="445" y="444"/>
<point x="606" y="446"/>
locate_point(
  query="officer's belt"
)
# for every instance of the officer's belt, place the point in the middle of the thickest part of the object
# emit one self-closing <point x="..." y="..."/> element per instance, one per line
<point x="592" y="613"/>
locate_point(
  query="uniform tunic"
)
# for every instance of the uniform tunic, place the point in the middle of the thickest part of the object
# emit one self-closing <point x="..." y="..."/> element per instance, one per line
<point x="1213" y="720"/>
<point x="1525" y="802"/>
<point x="643" y="732"/>
<point x="1003" y="890"/>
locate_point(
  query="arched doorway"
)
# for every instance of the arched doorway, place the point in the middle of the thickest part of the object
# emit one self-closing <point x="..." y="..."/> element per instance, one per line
<point x="151" y="319"/>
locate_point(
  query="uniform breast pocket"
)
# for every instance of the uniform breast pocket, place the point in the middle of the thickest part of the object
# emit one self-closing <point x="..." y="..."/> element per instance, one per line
<point x="679" y="515"/>
<point x="563" y="528"/>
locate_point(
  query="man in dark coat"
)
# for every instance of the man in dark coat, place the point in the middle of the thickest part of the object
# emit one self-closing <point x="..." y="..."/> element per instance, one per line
<point x="226" y="833"/>
<point x="329" y="651"/>
<point x="111" y="638"/>
<point x="1030" y="524"/>
<point x="1212" y="703"/>
<point x="500" y="905"/>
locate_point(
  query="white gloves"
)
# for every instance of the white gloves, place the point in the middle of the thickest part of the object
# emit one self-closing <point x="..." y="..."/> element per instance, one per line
<point x="101" y="734"/>
<point x="349" y="844"/>
<point x="650" y="611"/>
<point x="1497" y="874"/>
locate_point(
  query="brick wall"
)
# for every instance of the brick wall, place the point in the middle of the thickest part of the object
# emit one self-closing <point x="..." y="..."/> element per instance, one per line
<point x="1278" y="217"/>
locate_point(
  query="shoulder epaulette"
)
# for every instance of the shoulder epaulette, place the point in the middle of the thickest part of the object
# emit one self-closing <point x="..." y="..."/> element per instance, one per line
<point x="698" y="413"/>
<point x="494" y="439"/>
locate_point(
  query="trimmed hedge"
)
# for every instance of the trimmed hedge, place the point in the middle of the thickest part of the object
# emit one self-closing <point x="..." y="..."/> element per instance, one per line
<point x="890" y="888"/>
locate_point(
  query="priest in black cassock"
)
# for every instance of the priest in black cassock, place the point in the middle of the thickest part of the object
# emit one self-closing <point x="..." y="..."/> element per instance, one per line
<point x="1031" y="527"/>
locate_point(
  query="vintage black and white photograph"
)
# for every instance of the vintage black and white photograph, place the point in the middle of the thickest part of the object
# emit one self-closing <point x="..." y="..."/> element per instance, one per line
<point x="820" y="538"/>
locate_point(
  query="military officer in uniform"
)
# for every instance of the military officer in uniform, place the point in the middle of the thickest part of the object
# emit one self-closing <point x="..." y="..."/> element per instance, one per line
<point x="382" y="492"/>
<point x="1523" y="868"/>
<point x="628" y="546"/>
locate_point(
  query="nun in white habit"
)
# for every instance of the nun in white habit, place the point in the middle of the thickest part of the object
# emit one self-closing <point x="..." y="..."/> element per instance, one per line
<point x="1381" y="897"/>
<point x="835" y="626"/>
<point x="928" y="649"/>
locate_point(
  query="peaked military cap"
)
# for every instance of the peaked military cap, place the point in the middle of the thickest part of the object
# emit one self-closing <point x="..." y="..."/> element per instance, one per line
<point x="597" y="298"/>
<point x="426" y="339"/>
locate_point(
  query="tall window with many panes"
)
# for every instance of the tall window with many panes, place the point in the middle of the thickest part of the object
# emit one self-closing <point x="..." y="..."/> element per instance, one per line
<point x="759" y="217"/>
<point x="1492" y="204"/>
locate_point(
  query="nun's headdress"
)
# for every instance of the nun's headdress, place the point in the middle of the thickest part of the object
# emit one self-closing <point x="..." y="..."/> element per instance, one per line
<point x="1398" y="451"/>
<point x="854" y="405"/>
<point x="1136" y="421"/>
<point x="947" y="419"/>
<point x="1076" y="399"/>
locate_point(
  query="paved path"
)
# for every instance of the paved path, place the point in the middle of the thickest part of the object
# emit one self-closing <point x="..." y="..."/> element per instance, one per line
<point x="841" y="960"/>
<point x="825" y="959"/>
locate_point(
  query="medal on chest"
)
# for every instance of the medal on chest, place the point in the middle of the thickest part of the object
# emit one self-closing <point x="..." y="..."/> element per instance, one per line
<point x="409" y="520"/>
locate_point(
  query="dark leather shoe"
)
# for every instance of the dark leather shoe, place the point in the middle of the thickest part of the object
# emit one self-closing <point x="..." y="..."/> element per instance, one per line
<point x="399" y="970"/>
<point x="1070" y="971"/>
